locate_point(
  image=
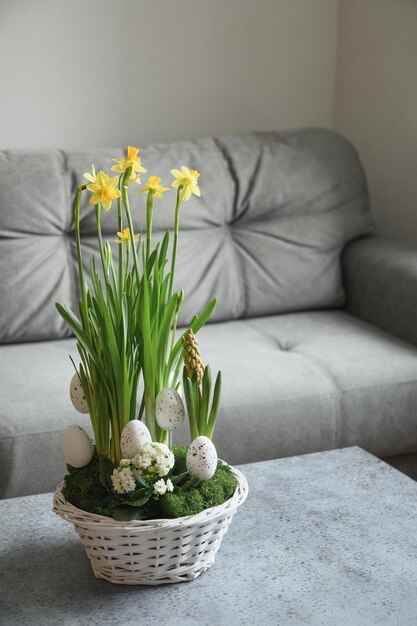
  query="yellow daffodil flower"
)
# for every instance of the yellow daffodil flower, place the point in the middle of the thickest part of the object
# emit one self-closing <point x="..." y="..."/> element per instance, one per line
<point x="124" y="237"/>
<point x="153" y="186"/>
<point x="132" y="160"/>
<point x="91" y="177"/>
<point x="188" y="180"/>
<point x="104" y="190"/>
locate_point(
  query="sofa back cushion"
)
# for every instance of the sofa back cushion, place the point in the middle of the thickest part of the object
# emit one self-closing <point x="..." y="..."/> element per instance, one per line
<point x="265" y="237"/>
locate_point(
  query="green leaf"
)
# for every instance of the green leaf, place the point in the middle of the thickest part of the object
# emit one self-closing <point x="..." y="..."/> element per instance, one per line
<point x="163" y="251"/>
<point x="75" y="325"/>
<point x="106" y="468"/>
<point x="188" y="392"/>
<point x="128" y="514"/>
<point x="215" y="406"/>
<point x="195" y="398"/>
<point x="179" y="478"/>
<point x="199" y="320"/>
<point x="151" y="261"/>
<point x="197" y="323"/>
<point x="140" y="480"/>
<point x="166" y="324"/>
<point x="140" y="501"/>
<point x="205" y="398"/>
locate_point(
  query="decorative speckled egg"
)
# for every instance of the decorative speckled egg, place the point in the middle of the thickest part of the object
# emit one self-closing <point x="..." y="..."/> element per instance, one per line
<point x="202" y="458"/>
<point x="77" y="395"/>
<point x="76" y="446"/>
<point x="134" y="435"/>
<point x="169" y="409"/>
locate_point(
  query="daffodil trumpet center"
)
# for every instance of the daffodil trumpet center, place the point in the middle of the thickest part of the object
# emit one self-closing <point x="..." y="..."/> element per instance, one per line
<point x="107" y="194"/>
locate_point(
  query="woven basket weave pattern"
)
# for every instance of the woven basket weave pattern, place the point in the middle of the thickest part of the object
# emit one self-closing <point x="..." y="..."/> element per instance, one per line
<point x="152" y="552"/>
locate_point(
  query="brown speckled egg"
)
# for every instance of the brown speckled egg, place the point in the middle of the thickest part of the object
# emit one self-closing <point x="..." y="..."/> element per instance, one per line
<point x="77" y="395"/>
<point x="169" y="409"/>
<point x="202" y="458"/>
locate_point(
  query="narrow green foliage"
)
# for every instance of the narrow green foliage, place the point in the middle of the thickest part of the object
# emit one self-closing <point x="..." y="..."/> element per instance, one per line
<point x="189" y="400"/>
<point x="126" y="327"/>
<point x="202" y="402"/>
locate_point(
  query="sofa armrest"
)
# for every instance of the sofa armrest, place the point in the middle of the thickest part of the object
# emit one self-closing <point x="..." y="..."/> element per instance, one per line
<point x="380" y="278"/>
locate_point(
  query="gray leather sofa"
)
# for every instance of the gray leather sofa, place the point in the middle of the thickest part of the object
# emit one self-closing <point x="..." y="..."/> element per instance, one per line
<point x="315" y="326"/>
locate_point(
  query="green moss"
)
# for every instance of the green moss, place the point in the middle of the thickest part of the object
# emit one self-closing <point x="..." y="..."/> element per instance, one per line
<point x="82" y="487"/>
<point x="180" y="454"/>
<point x="205" y="495"/>
<point x="181" y="504"/>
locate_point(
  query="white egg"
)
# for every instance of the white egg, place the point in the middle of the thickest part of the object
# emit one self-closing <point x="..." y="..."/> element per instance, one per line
<point x="134" y="435"/>
<point x="169" y="409"/>
<point x="77" y="395"/>
<point x="202" y="458"/>
<point x="76" y="446"/>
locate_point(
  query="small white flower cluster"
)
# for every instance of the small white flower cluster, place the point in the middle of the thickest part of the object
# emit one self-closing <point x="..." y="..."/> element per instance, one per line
<point x="161" y="487"/>
<point x="123" y="481"/>
<point x="153" y="460"/>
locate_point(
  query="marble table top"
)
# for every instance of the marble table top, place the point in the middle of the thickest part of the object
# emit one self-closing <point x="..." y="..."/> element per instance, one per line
<point x="327" y="538"/>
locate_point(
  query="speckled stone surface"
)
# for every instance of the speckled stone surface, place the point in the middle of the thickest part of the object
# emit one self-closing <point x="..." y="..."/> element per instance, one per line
<point x="327" y="538"/>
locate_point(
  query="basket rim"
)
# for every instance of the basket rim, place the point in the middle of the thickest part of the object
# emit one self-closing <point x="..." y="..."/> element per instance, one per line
<point x="73" y="514"/>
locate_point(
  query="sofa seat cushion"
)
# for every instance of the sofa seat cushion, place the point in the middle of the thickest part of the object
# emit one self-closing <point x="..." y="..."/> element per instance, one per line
<point x="293" y="384"/>
<point x="316" y="380"/>
<point x="35" y="409"/>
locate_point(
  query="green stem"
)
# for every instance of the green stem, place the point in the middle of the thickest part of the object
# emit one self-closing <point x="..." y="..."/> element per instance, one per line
<point x="179" y="478"/>
<point x="100" y="241"/>
<point x="175" y="243"/>
<point x="174" y="327"/>
<point x="150" y="415"/>
<point x="149" y="216"/>
<point x="127" y="261"/>
<point x="129" y="219"/>
<point x="79" y="255"/>
<point x="190" y="483"/>
<point x="120" y="255"/>
<point x="174" y="332"/>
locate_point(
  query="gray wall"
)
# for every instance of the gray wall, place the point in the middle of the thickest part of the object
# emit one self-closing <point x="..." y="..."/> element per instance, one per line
<point x="84" y="73"/>
<point x="95" y="73"/>
<point x="376" y="104"/>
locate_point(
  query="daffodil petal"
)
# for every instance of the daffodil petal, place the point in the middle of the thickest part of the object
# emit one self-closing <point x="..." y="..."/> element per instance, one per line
<point x="186" y="194"/>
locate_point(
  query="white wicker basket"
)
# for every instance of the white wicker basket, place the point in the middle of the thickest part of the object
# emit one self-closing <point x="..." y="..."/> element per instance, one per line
<point x="152" y="552"/>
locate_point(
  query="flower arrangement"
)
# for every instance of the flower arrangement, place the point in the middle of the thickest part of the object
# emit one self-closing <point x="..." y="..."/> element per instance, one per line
<point x="127" y="339"/>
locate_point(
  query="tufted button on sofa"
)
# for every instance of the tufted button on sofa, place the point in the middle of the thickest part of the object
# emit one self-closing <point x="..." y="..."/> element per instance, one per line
<point x="306" y="331"/>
